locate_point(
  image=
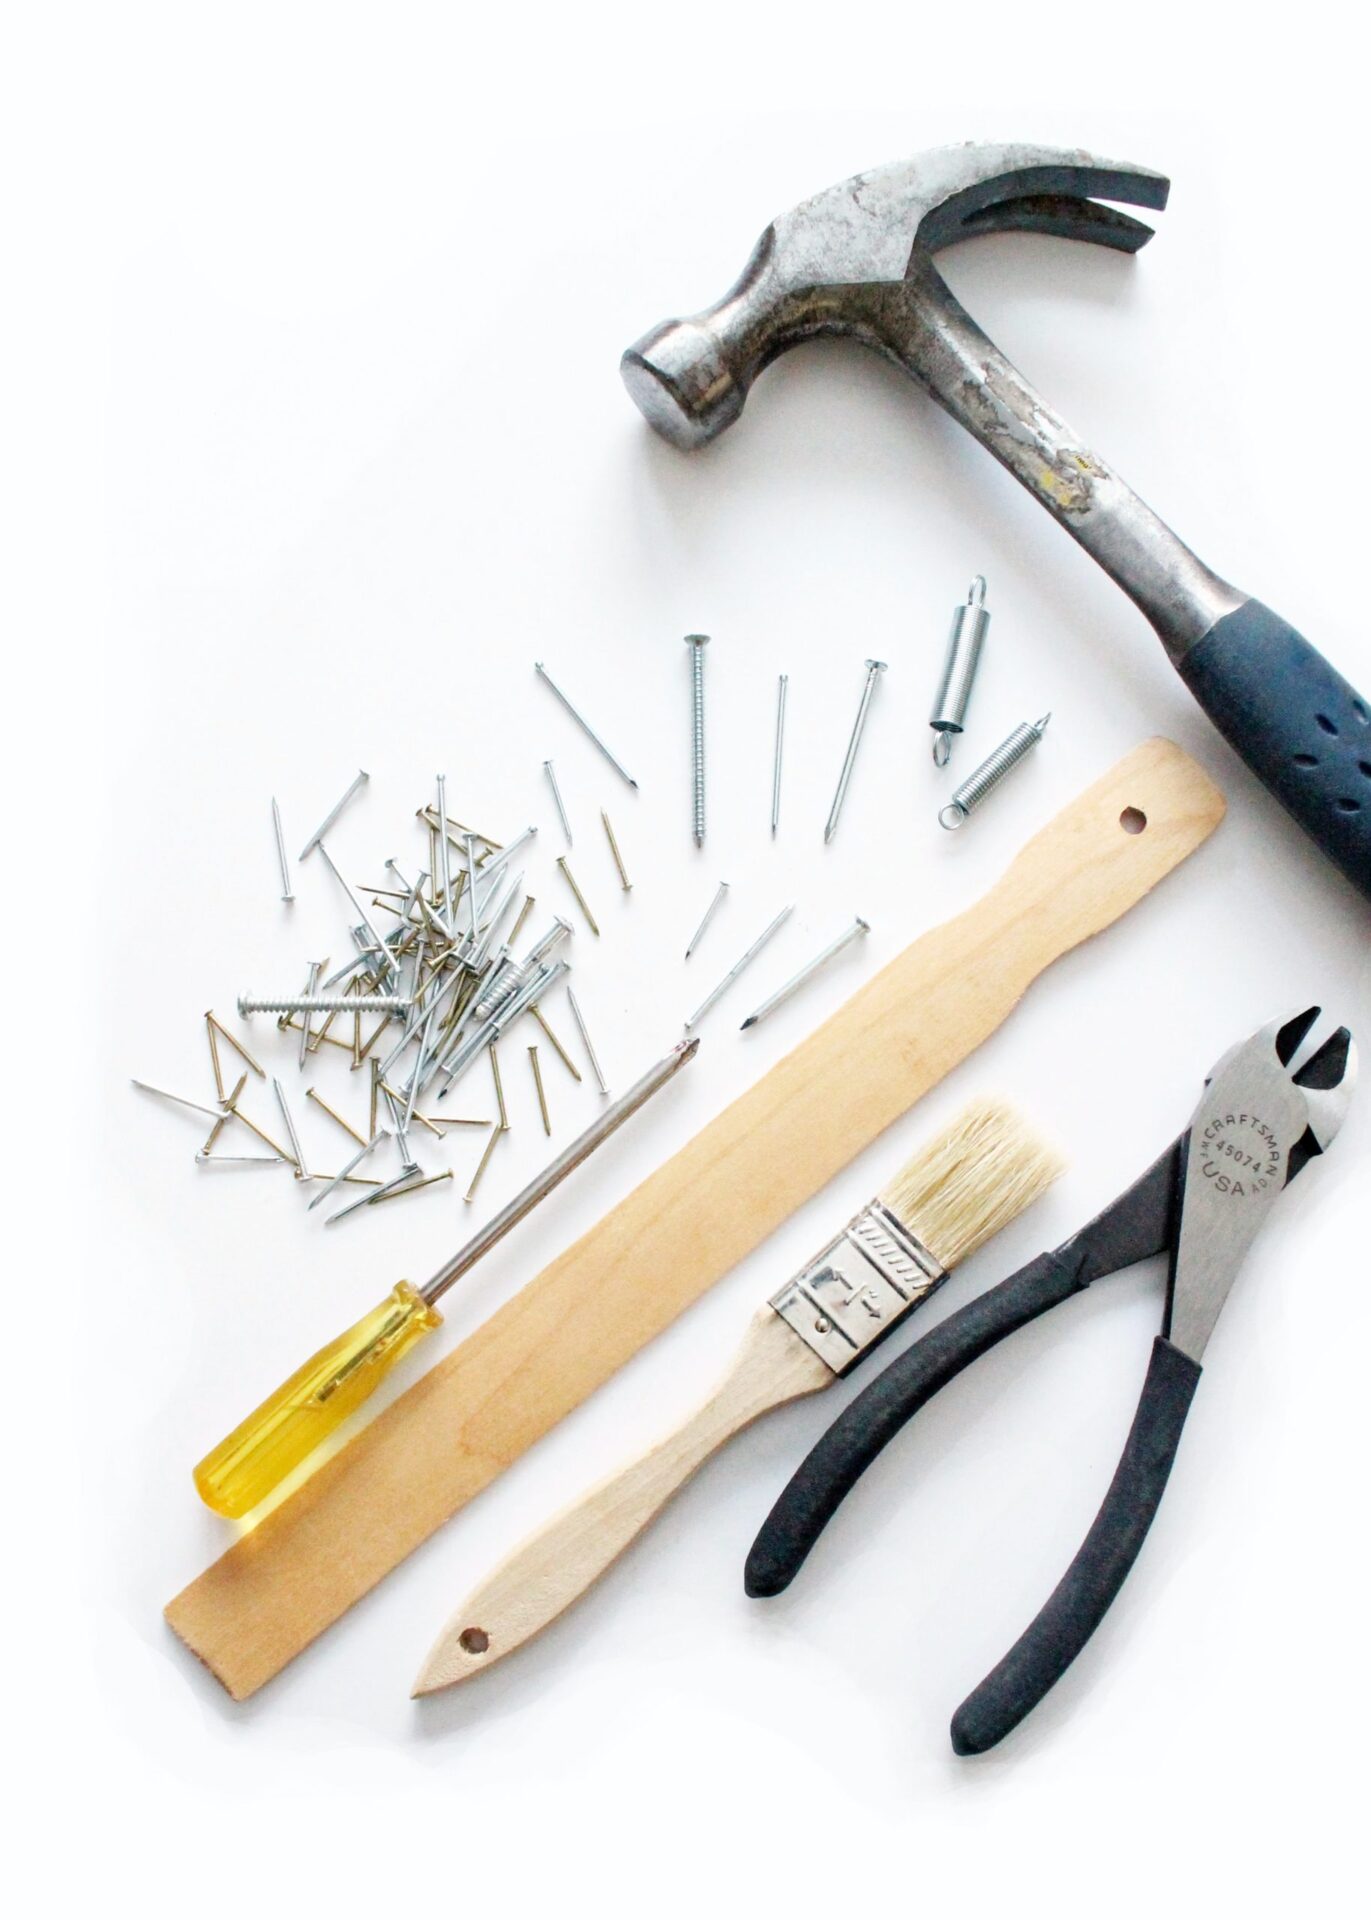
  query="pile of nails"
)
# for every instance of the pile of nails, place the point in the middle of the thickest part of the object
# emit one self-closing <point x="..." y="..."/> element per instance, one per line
<point x="444" y="980"/>
<point x="437" y="987"/>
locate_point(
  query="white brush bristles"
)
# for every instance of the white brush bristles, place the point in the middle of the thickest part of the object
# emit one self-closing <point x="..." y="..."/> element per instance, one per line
<point x="974" y="1178"/>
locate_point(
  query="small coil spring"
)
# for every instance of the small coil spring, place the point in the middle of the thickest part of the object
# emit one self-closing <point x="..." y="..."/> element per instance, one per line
<point x="991" y="772"/>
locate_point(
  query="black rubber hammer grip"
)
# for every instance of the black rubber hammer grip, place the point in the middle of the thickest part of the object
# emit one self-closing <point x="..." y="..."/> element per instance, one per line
<point x="1300" y="727"/>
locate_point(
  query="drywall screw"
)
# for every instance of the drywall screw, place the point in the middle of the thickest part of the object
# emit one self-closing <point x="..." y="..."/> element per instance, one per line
<point x="286" y="893"/>
<point x="873" y="668"/>
<point x="970" y="624"/>
<point x="316" y="838"/>
<point x="697" y="642"/>
<point x="346" y="1125"/>
<point x="991" y="772"/>
<point x="580" y="897"/>
<point x="496" y="1133"/>
<point x="624" y="880"/>
<point x="557" y="800"/>
<point x="782" y="688"/>
<point x="237" y="1046"/>
<point x="582" y="723"/>
<point x="557" y="1046"/>
<point x="807" y="972"/>
<point x="710" y="912"/>
<point x="586" y="1040"/>
<point x="302" y="1172"/>
<point x="734" y="971"/>
<point x="309" y="1003"/>
<point x="212" y="1113"/>
<point x="538" y="1083"/>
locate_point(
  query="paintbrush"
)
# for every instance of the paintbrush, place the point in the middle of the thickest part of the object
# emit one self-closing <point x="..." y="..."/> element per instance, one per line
<point x="958" y="1190"/>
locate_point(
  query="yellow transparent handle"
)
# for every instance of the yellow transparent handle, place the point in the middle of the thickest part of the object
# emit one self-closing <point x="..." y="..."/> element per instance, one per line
<point x="256" y="1457"/>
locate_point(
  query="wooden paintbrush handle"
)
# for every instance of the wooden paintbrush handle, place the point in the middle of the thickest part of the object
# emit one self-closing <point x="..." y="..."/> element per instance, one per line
<point x="553" y="1567"/>
<point x="692" y="1220"/>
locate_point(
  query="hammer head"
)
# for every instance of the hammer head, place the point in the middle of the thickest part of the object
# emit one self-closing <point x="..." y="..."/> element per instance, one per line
<point x="814" y="269"/>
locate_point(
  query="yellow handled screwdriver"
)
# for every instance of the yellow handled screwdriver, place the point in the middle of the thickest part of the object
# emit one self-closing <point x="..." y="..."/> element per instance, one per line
<point x="256" y="1457"/>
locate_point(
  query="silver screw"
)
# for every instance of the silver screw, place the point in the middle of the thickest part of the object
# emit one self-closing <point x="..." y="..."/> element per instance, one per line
<point x="733" y="972"/>
<point x="697" y="642"/>
<point x="583" y="723"/>
<point x="325" y="1003"/>
<point x="286" y="893"/>
<point x="989" y="774"/>
<point x="807" y="972"/>
<point x="873" y="668"/>
<point x="362" y="777"/>
<point x="557" y="800"/>
<point x="710" y="912"/>
<point x="782" y="687"/>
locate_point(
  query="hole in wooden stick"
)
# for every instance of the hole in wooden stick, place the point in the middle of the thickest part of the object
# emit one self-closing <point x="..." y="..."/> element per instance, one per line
<point x="1132" y="819"/>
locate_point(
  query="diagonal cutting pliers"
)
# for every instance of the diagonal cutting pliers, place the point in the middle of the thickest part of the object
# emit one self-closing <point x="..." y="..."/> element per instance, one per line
<point x="1204" y="1201"/>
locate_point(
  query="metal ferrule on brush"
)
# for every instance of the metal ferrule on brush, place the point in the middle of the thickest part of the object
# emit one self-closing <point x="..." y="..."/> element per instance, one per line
<point x="859" y="1288"/>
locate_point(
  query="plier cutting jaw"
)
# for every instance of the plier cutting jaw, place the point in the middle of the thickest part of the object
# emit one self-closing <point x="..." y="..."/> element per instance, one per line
<point x="1258" y="1124"/>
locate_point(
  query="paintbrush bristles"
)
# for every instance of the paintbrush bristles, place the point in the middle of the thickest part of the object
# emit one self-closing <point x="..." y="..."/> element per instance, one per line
<point x="974" y="1178"/>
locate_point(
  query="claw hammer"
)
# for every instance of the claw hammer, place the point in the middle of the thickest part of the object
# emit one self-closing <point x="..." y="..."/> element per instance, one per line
<point x="858" y="260"/>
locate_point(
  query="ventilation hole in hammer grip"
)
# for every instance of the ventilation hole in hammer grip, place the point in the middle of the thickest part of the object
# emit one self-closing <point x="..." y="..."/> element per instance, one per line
<point x="1306" y="760"/>
<point x="1132" y="819"/>
<point x="1361" y="713"/>
<point x="1365" y="766"/>
<point x="1345" y="805"/>
<point x="1327" y="725"/>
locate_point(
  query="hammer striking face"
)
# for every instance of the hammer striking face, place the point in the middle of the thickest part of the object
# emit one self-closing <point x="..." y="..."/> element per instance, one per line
<point x="858" y="260"/>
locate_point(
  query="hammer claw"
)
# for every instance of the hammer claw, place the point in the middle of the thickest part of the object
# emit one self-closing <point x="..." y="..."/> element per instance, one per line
<point x="1062" y="215"/>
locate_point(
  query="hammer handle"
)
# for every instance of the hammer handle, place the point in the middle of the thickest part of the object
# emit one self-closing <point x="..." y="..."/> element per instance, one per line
<point x="1300" y="727"/>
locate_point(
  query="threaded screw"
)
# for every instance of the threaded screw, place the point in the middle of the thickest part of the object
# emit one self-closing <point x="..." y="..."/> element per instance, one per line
<point x="697" y="642"/>
<point x="325" y="1003"/>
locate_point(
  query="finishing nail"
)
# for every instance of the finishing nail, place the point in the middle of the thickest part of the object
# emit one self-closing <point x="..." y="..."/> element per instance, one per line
<point x="557" y="800"/>
<point x="286" y="893"/>
<point x="582" y="723"/>
<point x="807" y="972"/>
<point x="710" y="912"/>
<point x="873" y="669"/>
<point x="316" y="837"/>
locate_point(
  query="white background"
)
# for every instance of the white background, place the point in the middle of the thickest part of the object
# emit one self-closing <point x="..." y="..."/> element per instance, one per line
<point x="314" y="315"/>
